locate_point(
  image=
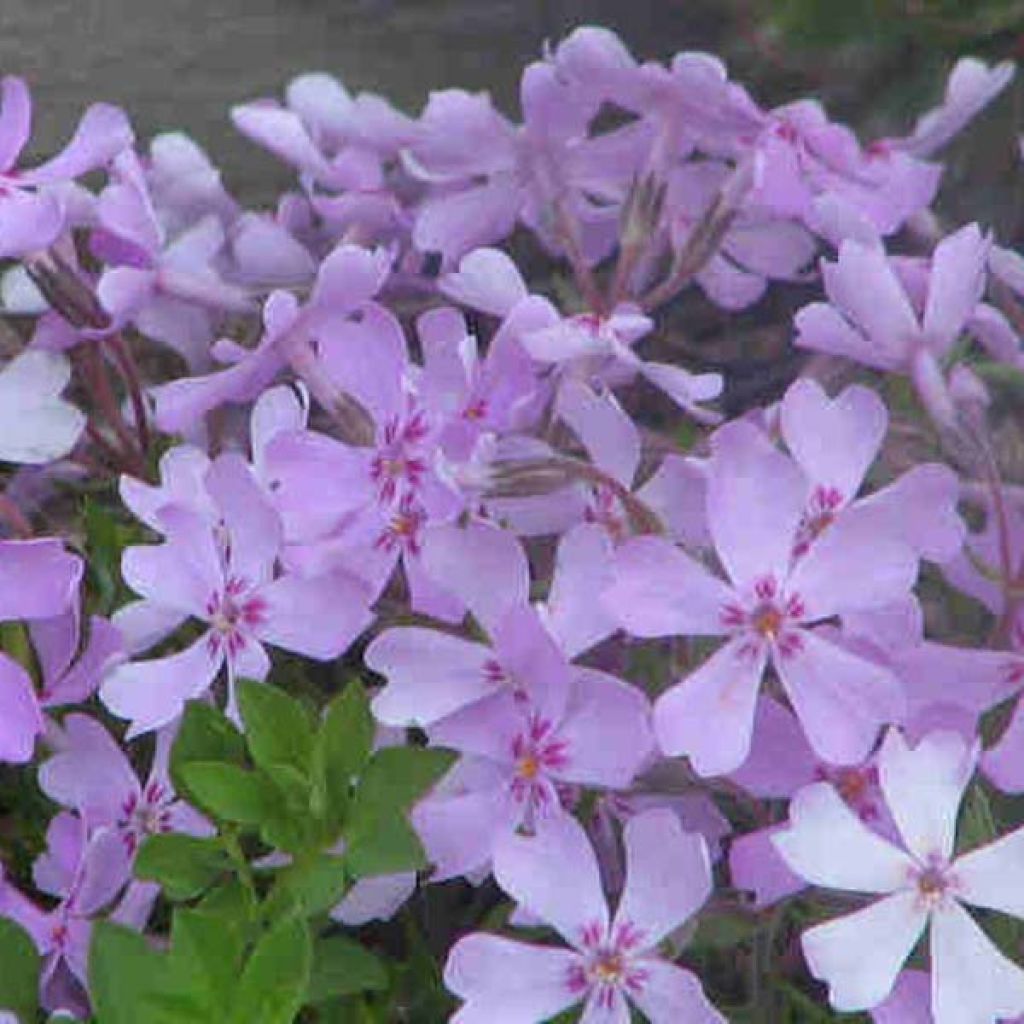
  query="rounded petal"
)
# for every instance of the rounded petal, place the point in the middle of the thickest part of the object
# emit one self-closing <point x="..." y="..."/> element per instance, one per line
<point x="554" y="874"/>
<point x="152" y="693"/>
<point x="755" y="502"/>
<point x="29" y="223"/>
<point x="319" y="617"/>
<point x="429" y="674"/>
<point x="657" y="590"/>
<point x="971" y="980"/>
<point x="524" y="983"/>
<point x="22" y="720"/>
<point x="852" y="566"/>
<point x="38" y="579"/>
<point x="15" y="119"/>
<point x="36" y="425"/>
<point x="103" y="132"/>
<point x="724" y="691"/>
<point x="668" y="876"/>
<point x="923" y="787"/>
<point x="669" y="994"/>
<point x="834" y="440"/>
<point x="828" y="845"/>
<point x="859" y="956"/>
<point x="956" y="284"/>
<point x="487" y="280"/>
<point x="841" y="699"/>
<point x="993" y="876"/>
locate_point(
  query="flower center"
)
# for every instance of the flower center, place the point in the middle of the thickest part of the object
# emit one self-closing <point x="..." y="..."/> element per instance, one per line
<point x="934" y="882"/>
<point x="767" y="621"/>
<point x="528" y="767"/>
<point x="607" y="968"/>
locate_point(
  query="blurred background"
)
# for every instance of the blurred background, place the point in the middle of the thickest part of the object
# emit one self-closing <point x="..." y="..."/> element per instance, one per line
<point x="180" y="64"/>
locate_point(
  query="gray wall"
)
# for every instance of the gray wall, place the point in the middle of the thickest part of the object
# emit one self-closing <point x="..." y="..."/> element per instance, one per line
<point x="182" y="63"/>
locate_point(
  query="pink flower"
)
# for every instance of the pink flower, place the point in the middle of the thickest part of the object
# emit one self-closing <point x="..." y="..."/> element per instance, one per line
<point x="755" y="503"/>
<point x="225" y="575"/>
<point x="922" y="884"/>
<point x="871" y="317"/>
<point x="611" y="962"/>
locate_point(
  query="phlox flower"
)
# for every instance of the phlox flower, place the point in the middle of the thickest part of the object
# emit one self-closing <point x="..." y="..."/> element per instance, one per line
<point x="871" y="319"/>
<point x="225" y="575"/>
<point x="89" y="773"/>
<point x="612" y="962"/>
<point x="32" y="210"/>
<point x="755" y="506"/>
<point x="922" y="884"/>
<point x="36" y="424"/>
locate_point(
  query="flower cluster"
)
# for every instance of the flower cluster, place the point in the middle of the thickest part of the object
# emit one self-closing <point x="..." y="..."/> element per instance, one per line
<point x="620" y="648"/>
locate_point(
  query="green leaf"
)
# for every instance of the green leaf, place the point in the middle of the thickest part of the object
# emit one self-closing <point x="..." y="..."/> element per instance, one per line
<point x="129" y="982"/>
<point x="207" y="948"/>
<point x="343" y="747"/>
<point x="341" y="967"/>
<point x="205" y="735"/>
<point x="318" y="884"/>
<point x="383" y="845"/>
<point x="277" y="727"/>
<point x="184" y="865"/>
<point x="977" y="822"/>
<point x="275" y="979"/>
<point x="397" y="777"/>
<point x="227" y="792"/>
<point x="19" y="973"/>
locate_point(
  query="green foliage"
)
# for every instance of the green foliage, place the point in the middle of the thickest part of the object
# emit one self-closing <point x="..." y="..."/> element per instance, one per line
<point x="245" y="943"/>
<point x="19" y="971"/>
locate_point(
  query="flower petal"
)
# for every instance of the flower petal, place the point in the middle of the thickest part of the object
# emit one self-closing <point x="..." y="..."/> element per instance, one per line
<point x="22" y="720"/>
<point x="971" y="980"/>
<point x="993" y="876"/>
<point x="724" y="691"/>
<point x="526" y="983"/>
<point x="554" y="874"/>
<point x="923" y="787"/>
<point x="668" y="876"/>
<point x="859" y="956"/>
<point x="669" y="995"/>
<point x="842" y="700"/>
<point x="828" y="845"/>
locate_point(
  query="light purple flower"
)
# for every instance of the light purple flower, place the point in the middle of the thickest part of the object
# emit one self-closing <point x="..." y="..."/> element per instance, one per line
<point x="922" y="885"/>
<point x="611" y="962"/>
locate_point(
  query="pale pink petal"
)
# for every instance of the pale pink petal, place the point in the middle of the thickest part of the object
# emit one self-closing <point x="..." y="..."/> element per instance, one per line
<point x="38" y="579"/>
<point x="483" y="565"/>
<point x="152" y="693"/>
<point x="910" y="1002"/>
<point x="457" y="222"/>
<point x="1003" y="762"/>
<point x="15" y="119"/>
<point x="956" y="285"/>
<point x="142" y="624"/>
<point x="834" y="440"/>
<point x="659" y="591"/>
<point x="972" y="981"/>
<point x="724" y="691"/>
<point x="102" y="133"/>
<point x="920" y="508"/>
<point x="554" y="874"/>
<point x="582" y="570"/>
<point x="842" y="700"/>
<point x="22" y="719"/>
<point x="605" y="1008"/>
<point x="755" y="865"/>
<point x="828" y="845"/>
<point x="993" y="876"/>
<point x="821" y="327"/>
<point x="678" y="494"/>
<point x="606" y="730"/>
<point x="429" y="674"/>
<point x="865" y="288"/>
<point x="755" y="501"/>
<point x="852" y="567"/>
<point x="377" y="898"/>
<point x="606" y="430"/>
<point x="668" y="876"/>
<point x="780" y="761"/>
<point x="486" y="280"/>
<point x="319" y="617"/>
<point x="669" y="995"/>
<point x="524" y="983"/>
<point x="859" y="956"/>
<point x="923" y="787"/>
